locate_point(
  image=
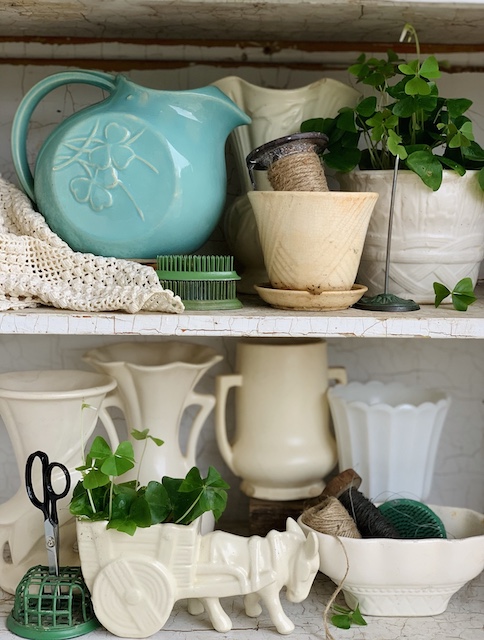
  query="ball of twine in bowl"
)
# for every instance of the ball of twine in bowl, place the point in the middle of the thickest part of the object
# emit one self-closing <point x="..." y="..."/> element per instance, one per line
<point x="331" y="518"/>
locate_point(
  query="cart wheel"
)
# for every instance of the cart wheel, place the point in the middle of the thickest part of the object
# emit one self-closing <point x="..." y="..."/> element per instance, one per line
<point x="133" y="598"/>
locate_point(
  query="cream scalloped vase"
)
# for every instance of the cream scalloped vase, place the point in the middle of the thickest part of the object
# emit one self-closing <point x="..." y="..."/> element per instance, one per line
<point x="389" y="434"/>
<point x="312" y="241"/>
<point x="42" y="410"/>
<point x="274" y="113"/>
<point x="436" y="237"/>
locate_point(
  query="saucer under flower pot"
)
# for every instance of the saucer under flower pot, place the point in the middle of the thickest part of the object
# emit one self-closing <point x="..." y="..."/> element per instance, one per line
<point x="305" y="301"/>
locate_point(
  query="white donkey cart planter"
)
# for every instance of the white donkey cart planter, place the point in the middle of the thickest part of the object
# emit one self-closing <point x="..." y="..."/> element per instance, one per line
<point x="135" y="581"/>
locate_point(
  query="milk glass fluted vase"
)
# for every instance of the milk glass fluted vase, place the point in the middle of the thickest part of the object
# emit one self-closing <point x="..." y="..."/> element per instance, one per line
<point x="389" y="434"/>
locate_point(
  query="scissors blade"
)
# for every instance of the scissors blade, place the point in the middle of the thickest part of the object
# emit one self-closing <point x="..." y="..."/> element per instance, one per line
<point x="52" y="546"/>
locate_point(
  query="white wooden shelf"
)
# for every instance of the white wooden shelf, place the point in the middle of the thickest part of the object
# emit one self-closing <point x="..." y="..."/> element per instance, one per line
<point x="255" y="319"/>
<point x="464" y="619"/>
<point x="437" y="21"/>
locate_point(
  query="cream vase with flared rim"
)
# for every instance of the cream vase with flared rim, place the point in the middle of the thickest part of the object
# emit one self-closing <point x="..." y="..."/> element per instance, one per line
<point x="437" y="236"/>
<point x="156" y="383"/>
<point x="53" y="411"/>
<point x="312" y="241"/>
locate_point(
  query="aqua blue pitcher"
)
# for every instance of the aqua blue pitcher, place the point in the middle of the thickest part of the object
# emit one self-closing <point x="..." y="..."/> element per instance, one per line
<point x="139" y="174"/>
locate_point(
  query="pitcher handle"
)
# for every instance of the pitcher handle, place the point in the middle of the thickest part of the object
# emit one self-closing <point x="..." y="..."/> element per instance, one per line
<point x="222" y="386"/>
<point x="206" y="403"/>
<point x="27" y="106"/>
<point x="112" y="399"/>
<point x="338" y="374"/>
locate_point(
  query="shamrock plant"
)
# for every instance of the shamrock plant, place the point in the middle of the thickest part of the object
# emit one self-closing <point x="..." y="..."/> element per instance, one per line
<point x="128" y="505"/>
<point x="343" y="618"/>
<point x="406" y="117"/>
<point x="462" y="295"/>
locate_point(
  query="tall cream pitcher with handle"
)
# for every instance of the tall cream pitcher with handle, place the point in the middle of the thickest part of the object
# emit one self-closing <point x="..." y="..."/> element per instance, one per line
<point x="283" y="446"/>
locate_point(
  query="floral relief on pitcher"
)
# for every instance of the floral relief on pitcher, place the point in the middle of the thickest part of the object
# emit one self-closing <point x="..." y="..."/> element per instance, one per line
<point x="102" y="157"/>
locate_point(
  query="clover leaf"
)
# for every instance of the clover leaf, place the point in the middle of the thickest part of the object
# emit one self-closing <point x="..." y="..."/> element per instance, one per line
<point x="195" y="495"/>
<point x="462" y="295"/>
<point x="128" y="505"/>
<point x="344" y="618"/>
<point x="144" y="435"/>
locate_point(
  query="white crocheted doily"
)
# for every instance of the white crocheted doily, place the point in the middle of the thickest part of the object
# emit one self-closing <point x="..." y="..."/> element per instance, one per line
<point x="38" y="268"/>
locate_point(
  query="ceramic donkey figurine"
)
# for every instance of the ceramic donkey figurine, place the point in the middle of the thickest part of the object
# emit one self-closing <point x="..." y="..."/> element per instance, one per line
<point x="261" y="567"/>
<point x="136" y="580"/>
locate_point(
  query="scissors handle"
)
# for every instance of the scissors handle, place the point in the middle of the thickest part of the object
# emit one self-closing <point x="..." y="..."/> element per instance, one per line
<point x="50" y="497"/>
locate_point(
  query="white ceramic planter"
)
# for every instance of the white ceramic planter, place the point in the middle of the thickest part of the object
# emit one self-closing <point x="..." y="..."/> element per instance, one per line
<point x="389" y="434"/>
<point x="279" y="112"/>
<point x="274" y="113"/>
<point x="283" y="445"/>
<point x="437" y="236"/>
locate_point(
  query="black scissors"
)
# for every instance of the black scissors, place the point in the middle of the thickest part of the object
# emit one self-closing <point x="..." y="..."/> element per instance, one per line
<point x="48" y="505"/>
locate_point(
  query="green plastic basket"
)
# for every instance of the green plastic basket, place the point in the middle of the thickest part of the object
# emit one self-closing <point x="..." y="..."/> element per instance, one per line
<point x="202" y="282"/>
<point x="49" y="606"/>
<point x="413" y="519"/>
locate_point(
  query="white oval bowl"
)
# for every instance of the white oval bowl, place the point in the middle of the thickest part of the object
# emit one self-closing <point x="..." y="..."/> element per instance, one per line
<point x="389" y="577"/>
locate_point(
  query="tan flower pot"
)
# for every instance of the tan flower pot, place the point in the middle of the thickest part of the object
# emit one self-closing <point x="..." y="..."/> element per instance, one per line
<point x="312" y="241"/>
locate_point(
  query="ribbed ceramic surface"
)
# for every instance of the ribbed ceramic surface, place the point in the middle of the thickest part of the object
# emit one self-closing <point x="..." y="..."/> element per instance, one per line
<point x="389" y="434"/>
<point x="279" y="112"/>
<point x="312" y="240"/>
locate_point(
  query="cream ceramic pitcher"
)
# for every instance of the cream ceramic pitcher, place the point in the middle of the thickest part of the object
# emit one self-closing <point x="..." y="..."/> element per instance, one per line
<point x="283" y="445"/>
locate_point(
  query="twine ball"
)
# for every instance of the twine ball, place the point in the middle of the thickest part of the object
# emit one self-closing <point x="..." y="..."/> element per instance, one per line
<point x="330" y="517"/>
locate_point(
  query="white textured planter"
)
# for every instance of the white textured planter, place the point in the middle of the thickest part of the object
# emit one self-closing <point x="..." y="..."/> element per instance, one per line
<point x="388" y="433"/>
<point x="437" y="236"/>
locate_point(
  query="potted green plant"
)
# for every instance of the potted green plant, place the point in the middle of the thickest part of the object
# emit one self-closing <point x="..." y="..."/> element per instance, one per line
<point x="438" y="227"/>
<point x="128" y="534"/>
<point x="127" y="506"/>
<point x="141" y="548"/>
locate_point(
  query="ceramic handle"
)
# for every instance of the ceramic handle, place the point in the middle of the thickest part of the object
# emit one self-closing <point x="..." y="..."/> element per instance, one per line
<point x="338" y="374"/>
<point x="111" y="400"/>
<point x="222" y="386"/>
<point x="207" y="403"/>
<point x="29" y="103"/>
